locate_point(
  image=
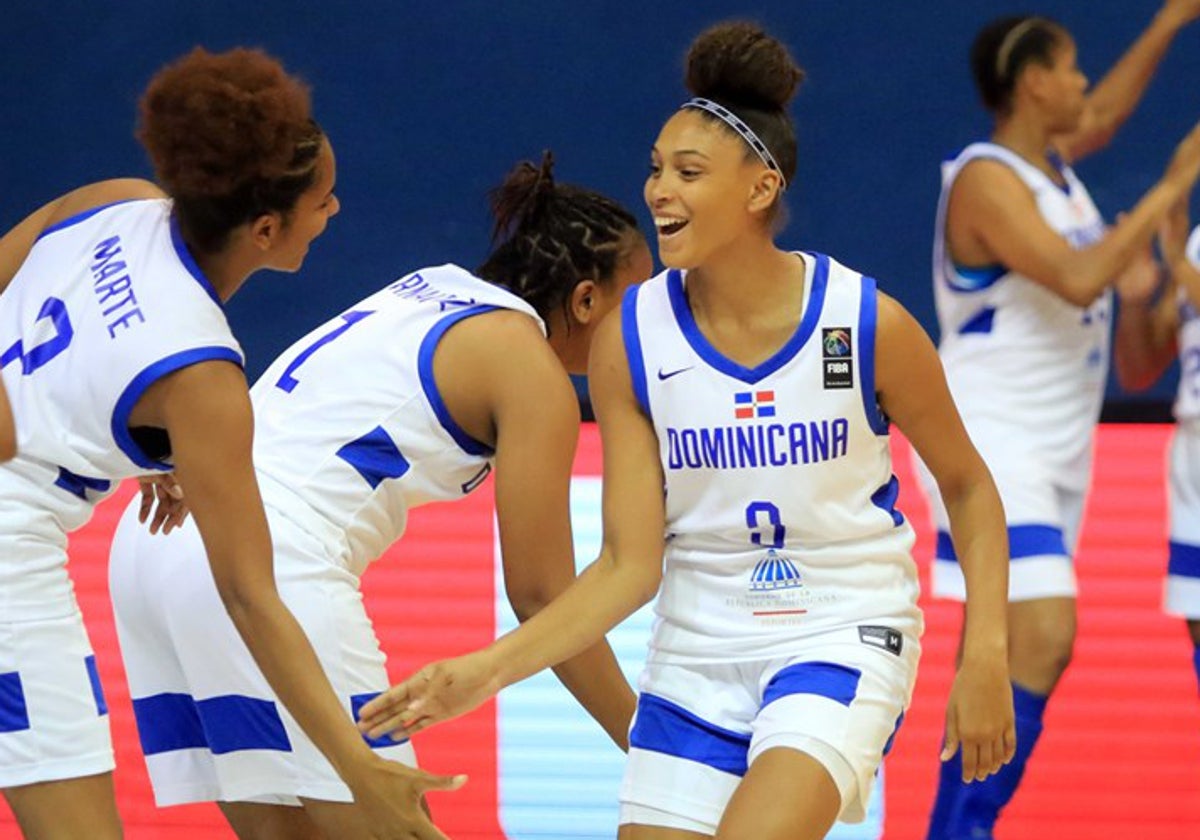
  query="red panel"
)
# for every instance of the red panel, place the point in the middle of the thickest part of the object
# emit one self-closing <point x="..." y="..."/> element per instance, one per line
<point x="1121" y="753"/>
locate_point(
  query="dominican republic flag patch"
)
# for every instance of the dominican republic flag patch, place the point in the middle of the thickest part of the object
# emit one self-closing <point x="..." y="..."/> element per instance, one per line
<point x="749" y="404"/>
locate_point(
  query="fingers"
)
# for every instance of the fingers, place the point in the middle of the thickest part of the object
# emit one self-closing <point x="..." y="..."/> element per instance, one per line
<point x="147" y="503"/>
<point x="950" y="741"/>
<point x="431" y="781"/>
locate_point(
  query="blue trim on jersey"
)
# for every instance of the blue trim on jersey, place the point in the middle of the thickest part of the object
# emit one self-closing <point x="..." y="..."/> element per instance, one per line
<point x="429" y="344"/>
<point x="1183" y="560"/>
<point x="78" y="485"/>
<point x="1023" y="541"/>
<point x="663" y="727"/>
<point x="81" y="217"/>
<point x="980" y="323"/>
<point x="149" y="375"/>
<point x="885" y="499"/>
<point x="824" y="679"/>
<point x="695" y="338"/>
<point x="868" y="316"/>
<point x="14" y="714"/>
<point x="168" y="722"/>
<point x="357" y="701"/>
<point x="375" y="456"/>
<point x="974" y="279"/>
<point x="185" y="257"/>
<point x="633" y="349"/>
<point x="234" y="722"/>
<point x="93" y="673"/>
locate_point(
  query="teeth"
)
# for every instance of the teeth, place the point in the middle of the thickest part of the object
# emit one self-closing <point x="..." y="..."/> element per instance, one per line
<point x="667" y="221"/>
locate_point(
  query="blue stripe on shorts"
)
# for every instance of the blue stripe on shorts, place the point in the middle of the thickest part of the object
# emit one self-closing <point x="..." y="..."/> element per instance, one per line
<point x="14" y="714"/>
<point x="663" y="727"/>
<point x="825" y="679"/>
<point x="1183" y="560"/>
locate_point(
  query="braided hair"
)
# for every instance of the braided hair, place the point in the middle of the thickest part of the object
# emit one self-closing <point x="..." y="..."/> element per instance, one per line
<point x="548" y="237"/>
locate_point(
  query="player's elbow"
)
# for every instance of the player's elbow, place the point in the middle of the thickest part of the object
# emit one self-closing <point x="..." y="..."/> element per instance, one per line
<point x="526" y="602"/>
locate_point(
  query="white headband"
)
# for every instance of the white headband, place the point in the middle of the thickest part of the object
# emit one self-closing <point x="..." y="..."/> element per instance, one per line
<point x="1010" y="43"/>
<point x="744" y="131"/>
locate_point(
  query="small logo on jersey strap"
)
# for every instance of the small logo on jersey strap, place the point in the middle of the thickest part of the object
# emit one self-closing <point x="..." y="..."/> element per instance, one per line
<point x="663" y="376"/>
<point x="749" y="404"/>
<point x="884" y="638"/>
<point x="774" y="572"/>
<point x="837" y="351"/>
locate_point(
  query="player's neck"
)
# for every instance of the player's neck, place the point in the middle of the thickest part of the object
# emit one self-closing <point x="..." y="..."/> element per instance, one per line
<point x="1028" y="141"/>
<point x="742" y="282"/>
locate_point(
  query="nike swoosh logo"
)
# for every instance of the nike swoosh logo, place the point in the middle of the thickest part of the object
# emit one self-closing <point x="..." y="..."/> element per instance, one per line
<point x="663" y="377"/>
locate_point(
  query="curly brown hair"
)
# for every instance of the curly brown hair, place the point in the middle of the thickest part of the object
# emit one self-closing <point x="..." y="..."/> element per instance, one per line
<point x="231" y="136"/>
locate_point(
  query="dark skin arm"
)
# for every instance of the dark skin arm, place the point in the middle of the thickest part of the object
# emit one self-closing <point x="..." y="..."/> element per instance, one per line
<point x="913" y="393"/>
<point x="625" y="575"/>
<point x="206" y="410"/>
<point x="522" y="402"/>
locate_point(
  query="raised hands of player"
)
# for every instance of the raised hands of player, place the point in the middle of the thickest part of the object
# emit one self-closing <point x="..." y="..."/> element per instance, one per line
<point x="438" y="692"/>
<point x="979" y="719"/>
<point x="171" y="509"/>
<point x="1185" y="162"/>
<point x="1182" y="12"/>
<point x="389" y="794"/>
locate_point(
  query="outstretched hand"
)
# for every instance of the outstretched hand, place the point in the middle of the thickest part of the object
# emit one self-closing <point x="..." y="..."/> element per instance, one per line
<point x="980" y="720"/>
<point x="171" y="511"/>
<point x="1184" y="11"/>
<point x="390" y="796"/>
<point x="438" y="692"/>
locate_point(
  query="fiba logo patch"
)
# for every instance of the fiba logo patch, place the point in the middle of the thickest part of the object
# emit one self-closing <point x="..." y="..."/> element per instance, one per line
<point x="837" y="352"/>
<point x="774" y="572"/>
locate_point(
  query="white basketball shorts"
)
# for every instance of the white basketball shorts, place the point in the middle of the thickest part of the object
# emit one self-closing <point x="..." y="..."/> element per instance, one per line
<point x="698" y="728"/>
<point x="210" y="726"/>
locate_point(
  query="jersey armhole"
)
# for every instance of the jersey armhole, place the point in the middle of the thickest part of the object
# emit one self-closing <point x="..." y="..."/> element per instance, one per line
<point x="633" y="349"/>
<point x="147" y="377"/>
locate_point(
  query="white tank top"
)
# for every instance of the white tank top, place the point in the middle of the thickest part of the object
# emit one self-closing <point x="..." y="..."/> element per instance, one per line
<point x="106" y="303"/>
<point x="351" y="431"/>
<point x="1026" y="367"/>
<point x="780" y="497"/>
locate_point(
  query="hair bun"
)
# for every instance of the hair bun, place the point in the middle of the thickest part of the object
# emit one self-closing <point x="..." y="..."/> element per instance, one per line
<point x="737" y="63"/>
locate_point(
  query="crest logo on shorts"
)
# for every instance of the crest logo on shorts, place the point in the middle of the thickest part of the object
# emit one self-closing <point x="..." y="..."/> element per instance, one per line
<point x="837" y="352"/>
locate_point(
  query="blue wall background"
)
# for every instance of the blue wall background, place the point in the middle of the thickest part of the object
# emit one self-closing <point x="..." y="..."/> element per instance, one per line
<point x="428" y="104"/>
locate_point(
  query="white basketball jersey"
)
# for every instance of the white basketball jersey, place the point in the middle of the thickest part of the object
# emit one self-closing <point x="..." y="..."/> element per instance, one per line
<point x="1187" y="399"/>
<point x="1024" y="365"/>
<point x="106" y="303"/>
<point x="351" y="431"/>
<point x="780" y="497"/>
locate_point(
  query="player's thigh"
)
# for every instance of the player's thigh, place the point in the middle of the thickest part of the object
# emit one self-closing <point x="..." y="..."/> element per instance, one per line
<point x="786" y="795"/>
<point x="258" y="821"/>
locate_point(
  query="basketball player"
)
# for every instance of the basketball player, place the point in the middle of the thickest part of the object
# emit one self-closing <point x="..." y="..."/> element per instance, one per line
<point x="1022" y="269"/>
<point x="1154" y="327"/>
<point x="119" y="362"/>
<point x="408" y="397"/>
<point x="756" y="385"/>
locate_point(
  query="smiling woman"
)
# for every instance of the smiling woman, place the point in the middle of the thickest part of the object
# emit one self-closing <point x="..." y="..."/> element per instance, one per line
<point x="787" y="634"/>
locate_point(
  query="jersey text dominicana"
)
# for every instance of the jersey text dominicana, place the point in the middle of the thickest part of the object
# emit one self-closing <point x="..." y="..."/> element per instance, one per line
<point x="780" y="499"/>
